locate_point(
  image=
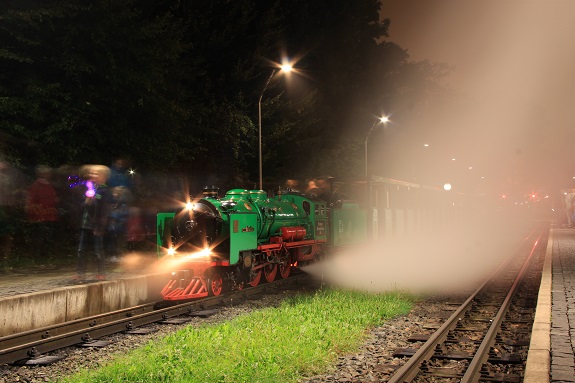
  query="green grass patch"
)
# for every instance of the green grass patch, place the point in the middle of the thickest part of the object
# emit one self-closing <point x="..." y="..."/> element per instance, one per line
<point x="301" y="337"/>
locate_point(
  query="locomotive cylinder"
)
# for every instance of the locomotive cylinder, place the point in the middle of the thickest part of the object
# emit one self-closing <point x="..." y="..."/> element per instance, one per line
<point x="293" y="233"/>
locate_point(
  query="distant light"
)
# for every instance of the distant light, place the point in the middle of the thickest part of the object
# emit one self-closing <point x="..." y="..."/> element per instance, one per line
<point x="426" y="145"/>
<point x="131" y="172"/>
<point x="384" y="119"/>
<point x="447" y="187"/>
<point x="453" y="159"/>
<point x="504" y="196"/>
<point x="470" y="168"/>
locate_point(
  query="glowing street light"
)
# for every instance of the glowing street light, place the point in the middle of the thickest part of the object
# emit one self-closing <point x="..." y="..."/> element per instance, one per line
<point x="383" y="120"/>
<point x="284" y="68"/>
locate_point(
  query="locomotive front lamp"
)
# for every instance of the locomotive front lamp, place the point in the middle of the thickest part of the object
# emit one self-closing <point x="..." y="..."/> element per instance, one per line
<point x="285" y="68"/>
<point x="381" y="120"/>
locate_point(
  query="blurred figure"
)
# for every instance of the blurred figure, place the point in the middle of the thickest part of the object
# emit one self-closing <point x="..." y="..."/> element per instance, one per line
<point x="13" y="185"/>
<point x="135" y="229"/>
<point x="570" y="207"/>
<point x="70" y="190"/>
<point x="96" y="211"/>
<point x="117" y="223"/>
<point x="5" y="224"/>
<point x="119" y="175"/>
<point x="41" y="210"/>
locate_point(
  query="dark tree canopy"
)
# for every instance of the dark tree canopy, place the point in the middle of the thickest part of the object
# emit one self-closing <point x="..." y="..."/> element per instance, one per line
<point x="175" y="85"/>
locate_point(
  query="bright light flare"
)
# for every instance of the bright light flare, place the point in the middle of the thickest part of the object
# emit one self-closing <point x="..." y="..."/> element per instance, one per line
<point x="286" y="68"/>
<point x="203" y="253"/>
<point x="190" y="205"/>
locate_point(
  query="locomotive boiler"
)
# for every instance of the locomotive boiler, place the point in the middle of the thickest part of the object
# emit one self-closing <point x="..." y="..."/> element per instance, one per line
<point x="246" y="237"/>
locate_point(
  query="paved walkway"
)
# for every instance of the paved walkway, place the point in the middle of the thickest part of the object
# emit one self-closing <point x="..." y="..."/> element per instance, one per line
<point x="563" y="309"/>
<point x="552" y="350"/>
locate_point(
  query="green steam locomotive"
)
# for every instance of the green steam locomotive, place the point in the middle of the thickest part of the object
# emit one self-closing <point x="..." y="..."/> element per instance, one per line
<point x="230" y="242"/>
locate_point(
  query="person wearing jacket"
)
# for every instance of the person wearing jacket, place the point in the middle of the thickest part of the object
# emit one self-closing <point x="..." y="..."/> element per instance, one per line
<point x="95" y="214"/>
<point x="42" y="213"/>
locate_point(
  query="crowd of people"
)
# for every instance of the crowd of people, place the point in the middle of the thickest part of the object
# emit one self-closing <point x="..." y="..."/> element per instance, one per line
<point x="91" y="213"/>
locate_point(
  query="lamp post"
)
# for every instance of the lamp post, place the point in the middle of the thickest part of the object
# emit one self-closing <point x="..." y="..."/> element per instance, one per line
<point x="284" y="68"/>
<point x="382" y="120"/>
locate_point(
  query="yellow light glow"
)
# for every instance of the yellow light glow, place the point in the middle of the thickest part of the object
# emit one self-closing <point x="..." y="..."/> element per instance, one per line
<point x="190" y="205"/>
<point x="286" y="68"/>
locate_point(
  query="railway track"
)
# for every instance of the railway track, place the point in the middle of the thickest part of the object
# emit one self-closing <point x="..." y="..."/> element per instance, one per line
<point x="486" y="339"/>
<point x="30" y="347"/>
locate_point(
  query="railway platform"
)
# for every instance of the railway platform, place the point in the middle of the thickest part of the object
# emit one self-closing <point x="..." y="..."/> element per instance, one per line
<point x="551" y="356"/>
<point x="42" y="296"/>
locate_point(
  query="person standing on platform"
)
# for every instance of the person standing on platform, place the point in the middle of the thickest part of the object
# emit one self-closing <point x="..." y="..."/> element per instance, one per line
<point x="96" y="211"/>
<point x="570" y="207"/>
<point x="119" y="175"/>
<point x="117" y="223"/>
<point x="42" y="213"/>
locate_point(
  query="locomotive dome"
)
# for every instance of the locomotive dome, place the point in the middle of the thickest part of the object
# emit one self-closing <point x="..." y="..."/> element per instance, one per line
<point x="258" y="195"/>
<point x="236" y="194"/>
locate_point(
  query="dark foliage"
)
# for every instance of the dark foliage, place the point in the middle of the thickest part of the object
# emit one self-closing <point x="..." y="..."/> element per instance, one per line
<point x="175" y="84"/>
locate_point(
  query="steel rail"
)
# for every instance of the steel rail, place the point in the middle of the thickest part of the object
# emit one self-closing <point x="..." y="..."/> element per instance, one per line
<point x="34" y="343"/>
<point x="408" y="371"/>
<point x="473" y="370"/>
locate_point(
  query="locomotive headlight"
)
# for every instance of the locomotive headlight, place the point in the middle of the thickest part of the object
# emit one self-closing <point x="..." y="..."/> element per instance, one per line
<point x="190" y="205"/>
<point x="171" y="251"/>
<point x="205" y="252"/>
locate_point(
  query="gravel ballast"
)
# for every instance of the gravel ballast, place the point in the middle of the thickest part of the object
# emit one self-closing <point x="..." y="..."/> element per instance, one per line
<point x="373" y="362"/>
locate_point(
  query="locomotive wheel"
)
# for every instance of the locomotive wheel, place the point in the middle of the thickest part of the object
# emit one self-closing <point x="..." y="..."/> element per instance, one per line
<point x="285" y="269"/>
<point x="270" y="272"/>
<point x="215" y="284"/>
<point x="256" y="279"/>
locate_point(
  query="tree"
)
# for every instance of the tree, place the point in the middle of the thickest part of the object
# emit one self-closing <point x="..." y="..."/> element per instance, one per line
<point x="88" y="80"/>
<point x="175" y="84"/>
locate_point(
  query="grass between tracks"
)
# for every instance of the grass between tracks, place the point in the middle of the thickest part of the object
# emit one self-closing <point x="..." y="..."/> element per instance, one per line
<point x="301" y="337"/>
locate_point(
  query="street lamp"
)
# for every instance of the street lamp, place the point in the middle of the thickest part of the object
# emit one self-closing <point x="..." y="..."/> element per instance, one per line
<point x="382" y="120"/>
<point x="284" y="68"/>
